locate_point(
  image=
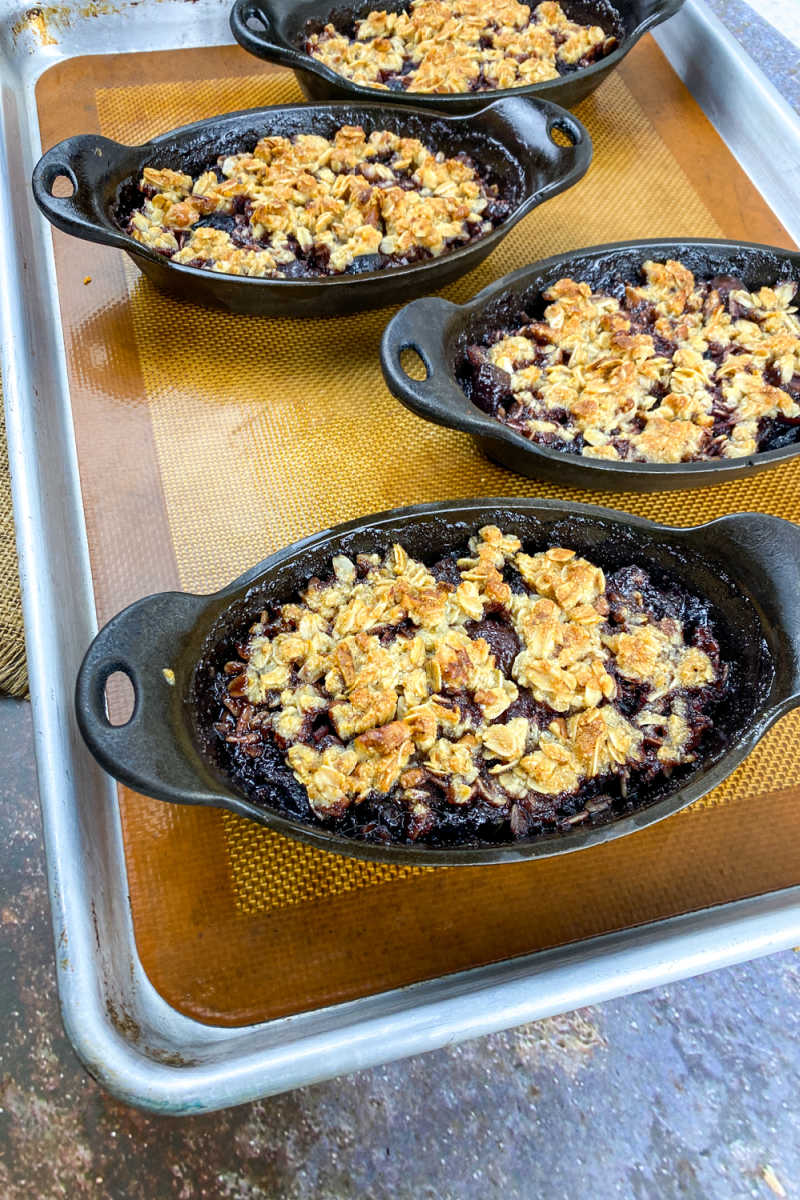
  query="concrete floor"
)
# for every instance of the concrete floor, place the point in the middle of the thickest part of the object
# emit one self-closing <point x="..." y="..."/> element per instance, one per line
<point x="752" y="25"/>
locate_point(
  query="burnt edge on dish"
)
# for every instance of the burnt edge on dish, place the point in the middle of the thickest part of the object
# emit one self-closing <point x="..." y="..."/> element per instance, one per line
<point x="747" y="652"/>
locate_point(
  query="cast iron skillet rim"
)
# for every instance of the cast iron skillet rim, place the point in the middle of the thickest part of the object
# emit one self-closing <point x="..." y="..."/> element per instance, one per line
<point x="662" y="11"/>
<point x="552" y="111"/>
<point x="208" y="607"/>
<point x="474" y="421"/>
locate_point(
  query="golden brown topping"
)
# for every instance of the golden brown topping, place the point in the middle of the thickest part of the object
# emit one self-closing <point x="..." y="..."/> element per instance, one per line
<point x="314" y="202"/>
<point x="451" y="46"/>
<point x="506" y="742"/>
<point x="681" y="371"/>
<point x="658" y="657"/>
<point x="390" y="677"/>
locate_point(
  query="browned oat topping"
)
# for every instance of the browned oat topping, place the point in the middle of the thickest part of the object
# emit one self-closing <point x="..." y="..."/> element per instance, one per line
<point x="497" y="683"/>
<point x="310" y="205"/>
<point x="460" y="46"/>
<point x="672" y="370"/>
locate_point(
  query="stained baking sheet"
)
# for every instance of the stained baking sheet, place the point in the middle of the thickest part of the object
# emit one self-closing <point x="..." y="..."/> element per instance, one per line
<point x="193" y="465"/>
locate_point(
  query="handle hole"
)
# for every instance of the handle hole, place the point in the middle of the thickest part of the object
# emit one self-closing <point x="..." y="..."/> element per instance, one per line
<point x="62" y="187"/>
<point x="562" y="134"/>
<point x="256" y="23"/>
<point x="413" y="364"/>
<point x="120" y="698"/>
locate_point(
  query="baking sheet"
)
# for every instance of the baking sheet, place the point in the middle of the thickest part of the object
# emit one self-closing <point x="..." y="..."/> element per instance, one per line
<point x="132" y="1035"/>
<point x="207" y="440"/>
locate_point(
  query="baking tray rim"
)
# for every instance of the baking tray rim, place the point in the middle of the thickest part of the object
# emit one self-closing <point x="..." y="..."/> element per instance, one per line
<point x="142" y="1050"/>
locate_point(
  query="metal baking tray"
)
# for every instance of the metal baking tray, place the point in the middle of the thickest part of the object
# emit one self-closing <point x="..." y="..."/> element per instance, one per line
<point x="142" y="1050"/>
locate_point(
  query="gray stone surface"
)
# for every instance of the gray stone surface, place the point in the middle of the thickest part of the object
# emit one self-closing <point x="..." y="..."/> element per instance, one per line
<point x="777" y="57"/>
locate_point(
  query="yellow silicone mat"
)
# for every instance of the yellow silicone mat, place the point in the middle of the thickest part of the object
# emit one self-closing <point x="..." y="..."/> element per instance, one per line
<point x="206" y="440"/>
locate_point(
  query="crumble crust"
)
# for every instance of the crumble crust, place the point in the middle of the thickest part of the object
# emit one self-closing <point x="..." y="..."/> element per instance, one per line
<point x="672" y="370"/>
<point x="310" y="205"/>
<point x="448" y="687"/>
<point x="449" y="46"/>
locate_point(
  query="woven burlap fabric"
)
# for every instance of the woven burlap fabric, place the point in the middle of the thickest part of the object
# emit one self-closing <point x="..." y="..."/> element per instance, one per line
<point x="13" y="669"/>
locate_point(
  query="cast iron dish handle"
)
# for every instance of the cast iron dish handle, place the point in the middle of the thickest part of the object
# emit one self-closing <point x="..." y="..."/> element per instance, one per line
<point x="141" y="642"/>
<point x="655" y="12"/>
<point x="769" y="549"/>
<point x="573" y="160"/>
<point x="536" y="122"/>
<point x="85" y="161"/>
<point x="260" y="44"/>
<point x="418" y="326"/>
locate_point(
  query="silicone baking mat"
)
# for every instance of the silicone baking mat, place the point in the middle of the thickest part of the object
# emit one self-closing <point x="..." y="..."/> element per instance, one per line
<point x="206" y="440"/>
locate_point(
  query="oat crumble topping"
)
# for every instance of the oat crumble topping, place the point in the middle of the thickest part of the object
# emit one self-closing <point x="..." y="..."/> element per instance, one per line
<point x="460" y="46"/>
<point x="671" y="370"/>
<point x="500" y="687"/>
<point x="310" y="205"/>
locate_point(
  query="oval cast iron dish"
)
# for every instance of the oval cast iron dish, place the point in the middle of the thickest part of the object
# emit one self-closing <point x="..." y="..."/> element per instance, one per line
<point x="282" y="36"/>
<point x="748" y="565"/>
<point x="440" y="332"/>
<point x="511" y="139"/>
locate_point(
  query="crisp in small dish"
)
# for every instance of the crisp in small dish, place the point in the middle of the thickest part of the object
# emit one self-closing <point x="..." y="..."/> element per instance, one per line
<point x="492" y="695"/>
<point x="672" y="369"/>
<point x="446" y="46"/>
<point x="308" y="206"/>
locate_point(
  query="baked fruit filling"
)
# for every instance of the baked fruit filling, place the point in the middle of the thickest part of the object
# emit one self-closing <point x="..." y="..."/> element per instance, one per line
<point x="311" y="206"/>
<point x="493" y="695"/>
<point x="460" y="46"/>
<point x="675" y="369"/>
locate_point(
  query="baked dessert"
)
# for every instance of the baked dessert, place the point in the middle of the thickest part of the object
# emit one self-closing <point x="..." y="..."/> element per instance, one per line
<point x="459" y="46"/>
<point x="495" y="694"/>
<point x="312" y="206"/>
<point x="672" y="369"/>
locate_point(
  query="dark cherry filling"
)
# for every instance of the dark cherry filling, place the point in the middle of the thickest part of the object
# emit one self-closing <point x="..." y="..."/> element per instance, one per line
<point x="500" y="637"/>
<point x="253" y="756"/>
<point x="490" y="388"/>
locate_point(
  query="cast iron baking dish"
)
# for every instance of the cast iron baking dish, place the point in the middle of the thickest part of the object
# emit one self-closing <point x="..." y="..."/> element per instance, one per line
<point x="747" y="565"/>
<point x="512" y="140"/>
<point x="276" y="30"/>
<point x="439" y="332"/>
